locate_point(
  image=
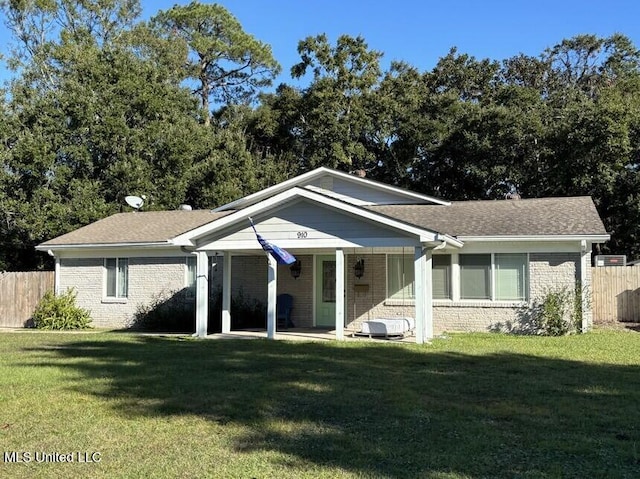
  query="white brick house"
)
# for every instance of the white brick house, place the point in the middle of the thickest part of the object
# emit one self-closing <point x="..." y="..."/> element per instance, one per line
<point x="467" y="265"/>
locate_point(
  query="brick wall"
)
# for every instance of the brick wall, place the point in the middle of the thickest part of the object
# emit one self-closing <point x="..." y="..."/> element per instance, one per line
<point x="249" y="278"/>
<point x="148" y="278"/>
<point x="546" y="271"/>
<point x="372" y="303"/>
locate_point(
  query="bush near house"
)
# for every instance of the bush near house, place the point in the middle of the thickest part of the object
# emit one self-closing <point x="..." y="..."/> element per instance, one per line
<point x="558" y="312"/>
<point x="174" y="311"/>
<point x="60" y="312"/>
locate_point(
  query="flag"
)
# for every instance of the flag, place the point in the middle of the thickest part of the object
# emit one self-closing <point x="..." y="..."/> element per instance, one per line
<point x="281" y="256"/>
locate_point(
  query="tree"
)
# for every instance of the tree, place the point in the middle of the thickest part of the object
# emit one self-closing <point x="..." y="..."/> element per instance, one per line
<point x="40" y="28"/>
<point x="228" y="64"/>
<point x="333" y="117"/>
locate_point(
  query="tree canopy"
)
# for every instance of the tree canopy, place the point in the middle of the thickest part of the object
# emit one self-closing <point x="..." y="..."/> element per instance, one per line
<point x="102" y="104"/>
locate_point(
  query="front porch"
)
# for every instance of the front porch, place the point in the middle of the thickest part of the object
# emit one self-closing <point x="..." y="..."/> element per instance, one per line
<point x="333" y="232"/>
<point x="319" y="311"/>
<point x="304" y="334"/>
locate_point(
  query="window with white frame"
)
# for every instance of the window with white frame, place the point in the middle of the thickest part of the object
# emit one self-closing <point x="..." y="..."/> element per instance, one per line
<point x="191" y="276"/>
<point x="475" y="276"/>
<point x="510" y="276"/>
<point x="117" y="276"/>
<point x="441" y="276"/>
<point x="493" y="276"/>
<point x="400" y="277"/>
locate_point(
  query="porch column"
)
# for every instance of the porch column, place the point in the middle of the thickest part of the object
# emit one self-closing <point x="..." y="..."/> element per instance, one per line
<point x="202" y="293"/>
<point x="56" y="277"/>
<point x="226" y="292"/>
<point x="339" y="294"/>
<point x="424" y="294"/>
<point x="272" y="293"/>
<point x="585" y="269"/>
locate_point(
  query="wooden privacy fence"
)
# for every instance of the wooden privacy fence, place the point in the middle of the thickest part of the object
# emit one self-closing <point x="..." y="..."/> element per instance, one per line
<point x="616" y="293"/>
<point x="20" y="293"/>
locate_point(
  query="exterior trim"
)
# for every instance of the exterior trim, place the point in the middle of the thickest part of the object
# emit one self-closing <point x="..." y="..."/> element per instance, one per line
<point x="298" y="180"/>
<point x="45" y="247"/>
<point x="424" y="235"/>
<point x="592" y="238"/>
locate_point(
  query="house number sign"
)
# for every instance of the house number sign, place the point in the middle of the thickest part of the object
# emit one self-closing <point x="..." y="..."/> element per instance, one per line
<point x="302" y="234"/>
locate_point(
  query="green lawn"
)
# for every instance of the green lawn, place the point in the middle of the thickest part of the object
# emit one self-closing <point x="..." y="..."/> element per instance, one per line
<point x="469" y="406"/>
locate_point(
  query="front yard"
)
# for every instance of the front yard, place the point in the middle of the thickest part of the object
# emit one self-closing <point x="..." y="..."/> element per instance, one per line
<point x="468" y="406"/>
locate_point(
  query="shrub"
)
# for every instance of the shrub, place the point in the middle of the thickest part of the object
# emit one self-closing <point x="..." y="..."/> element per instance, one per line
<point x="555" y="312"/>
<point x="558" y="312"/>
<point x="60" y="312"/>
<point x="245" y="312"/>
<point x="169" y="311"/>
<point x="175" y="312"/>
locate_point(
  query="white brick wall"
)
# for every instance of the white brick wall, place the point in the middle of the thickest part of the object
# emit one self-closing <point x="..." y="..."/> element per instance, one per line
<point x="249" y="276"/>
<point x="149" y="277"/>
<point x="546" y="271"/>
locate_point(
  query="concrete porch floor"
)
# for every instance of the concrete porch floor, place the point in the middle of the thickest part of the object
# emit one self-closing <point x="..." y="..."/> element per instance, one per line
<point x="304" y="334"/>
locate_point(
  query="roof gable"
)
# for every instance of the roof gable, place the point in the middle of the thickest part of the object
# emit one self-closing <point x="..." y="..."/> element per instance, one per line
<point x="304" y="223"/>
<point x="276" y="202"/>
<point x="340" y="185"/>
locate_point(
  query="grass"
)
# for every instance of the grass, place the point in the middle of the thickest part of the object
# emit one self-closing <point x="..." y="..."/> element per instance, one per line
<point x="470" y="406"/>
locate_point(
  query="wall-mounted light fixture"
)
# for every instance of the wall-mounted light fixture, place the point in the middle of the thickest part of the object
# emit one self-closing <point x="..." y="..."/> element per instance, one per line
<point x="296" y="269"/>
<point x="358" y="268"/>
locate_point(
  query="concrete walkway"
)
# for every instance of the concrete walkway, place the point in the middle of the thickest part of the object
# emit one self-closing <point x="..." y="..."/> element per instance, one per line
<point x="303" y="334"/>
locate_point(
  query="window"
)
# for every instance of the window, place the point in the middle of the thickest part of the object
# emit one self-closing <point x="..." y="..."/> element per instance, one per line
<point x="191" y="276"/>
<point x="441" y="274"/>
<point x="328" y="281"/>
<point x="507" y="272"/>
<point x="400" y="277"/>
<point x="117" y="277"/>
<point x="511" y="276"/>
<point x="475" y="276"/>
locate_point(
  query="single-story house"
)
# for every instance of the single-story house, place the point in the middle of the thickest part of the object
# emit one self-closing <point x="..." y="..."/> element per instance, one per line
<point x="366" y="251"/>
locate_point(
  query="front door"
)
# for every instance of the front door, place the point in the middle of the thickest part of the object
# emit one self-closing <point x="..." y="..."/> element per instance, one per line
<point x="325" y="291"/>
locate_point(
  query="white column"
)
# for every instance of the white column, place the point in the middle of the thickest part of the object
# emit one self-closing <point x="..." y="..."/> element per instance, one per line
<point x="202" y="293"/>
<point x="56" y="277"/>
<point x="272" y="293"/>
<point x="424" y="294"/>
<point x="428" y="294"/>
<point x="226" y="292"/>
<point x="418" y="269"/>
<point x="455" y="277"/>
<point x="339" y="294"/>
<point x="585" y="262"/>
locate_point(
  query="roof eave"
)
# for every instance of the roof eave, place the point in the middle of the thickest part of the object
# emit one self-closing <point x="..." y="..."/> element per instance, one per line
<point x="593" y="238"/>
<point x="54" y="247"/>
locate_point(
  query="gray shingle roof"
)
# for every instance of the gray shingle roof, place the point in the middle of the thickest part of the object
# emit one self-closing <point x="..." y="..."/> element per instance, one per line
<point x="137" y="227"/>
<point x="540" y="216"/>
<point x="543" y="216"/>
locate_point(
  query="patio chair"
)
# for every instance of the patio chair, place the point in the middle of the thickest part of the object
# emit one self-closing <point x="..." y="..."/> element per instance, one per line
<point x="284" y="305"/>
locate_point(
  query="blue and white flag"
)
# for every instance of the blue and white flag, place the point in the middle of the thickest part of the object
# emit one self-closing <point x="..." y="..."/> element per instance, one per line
<point x="281" y="256"/>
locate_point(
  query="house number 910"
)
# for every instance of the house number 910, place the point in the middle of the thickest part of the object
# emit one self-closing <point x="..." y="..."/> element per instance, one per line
<point x="302" y="234"/>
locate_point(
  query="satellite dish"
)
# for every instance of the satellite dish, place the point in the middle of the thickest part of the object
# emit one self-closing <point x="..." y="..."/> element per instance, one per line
<point x="134" y="201"/>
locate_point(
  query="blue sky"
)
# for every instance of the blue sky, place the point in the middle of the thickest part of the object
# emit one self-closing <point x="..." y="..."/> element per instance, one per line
<point x="420" y="32"/>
